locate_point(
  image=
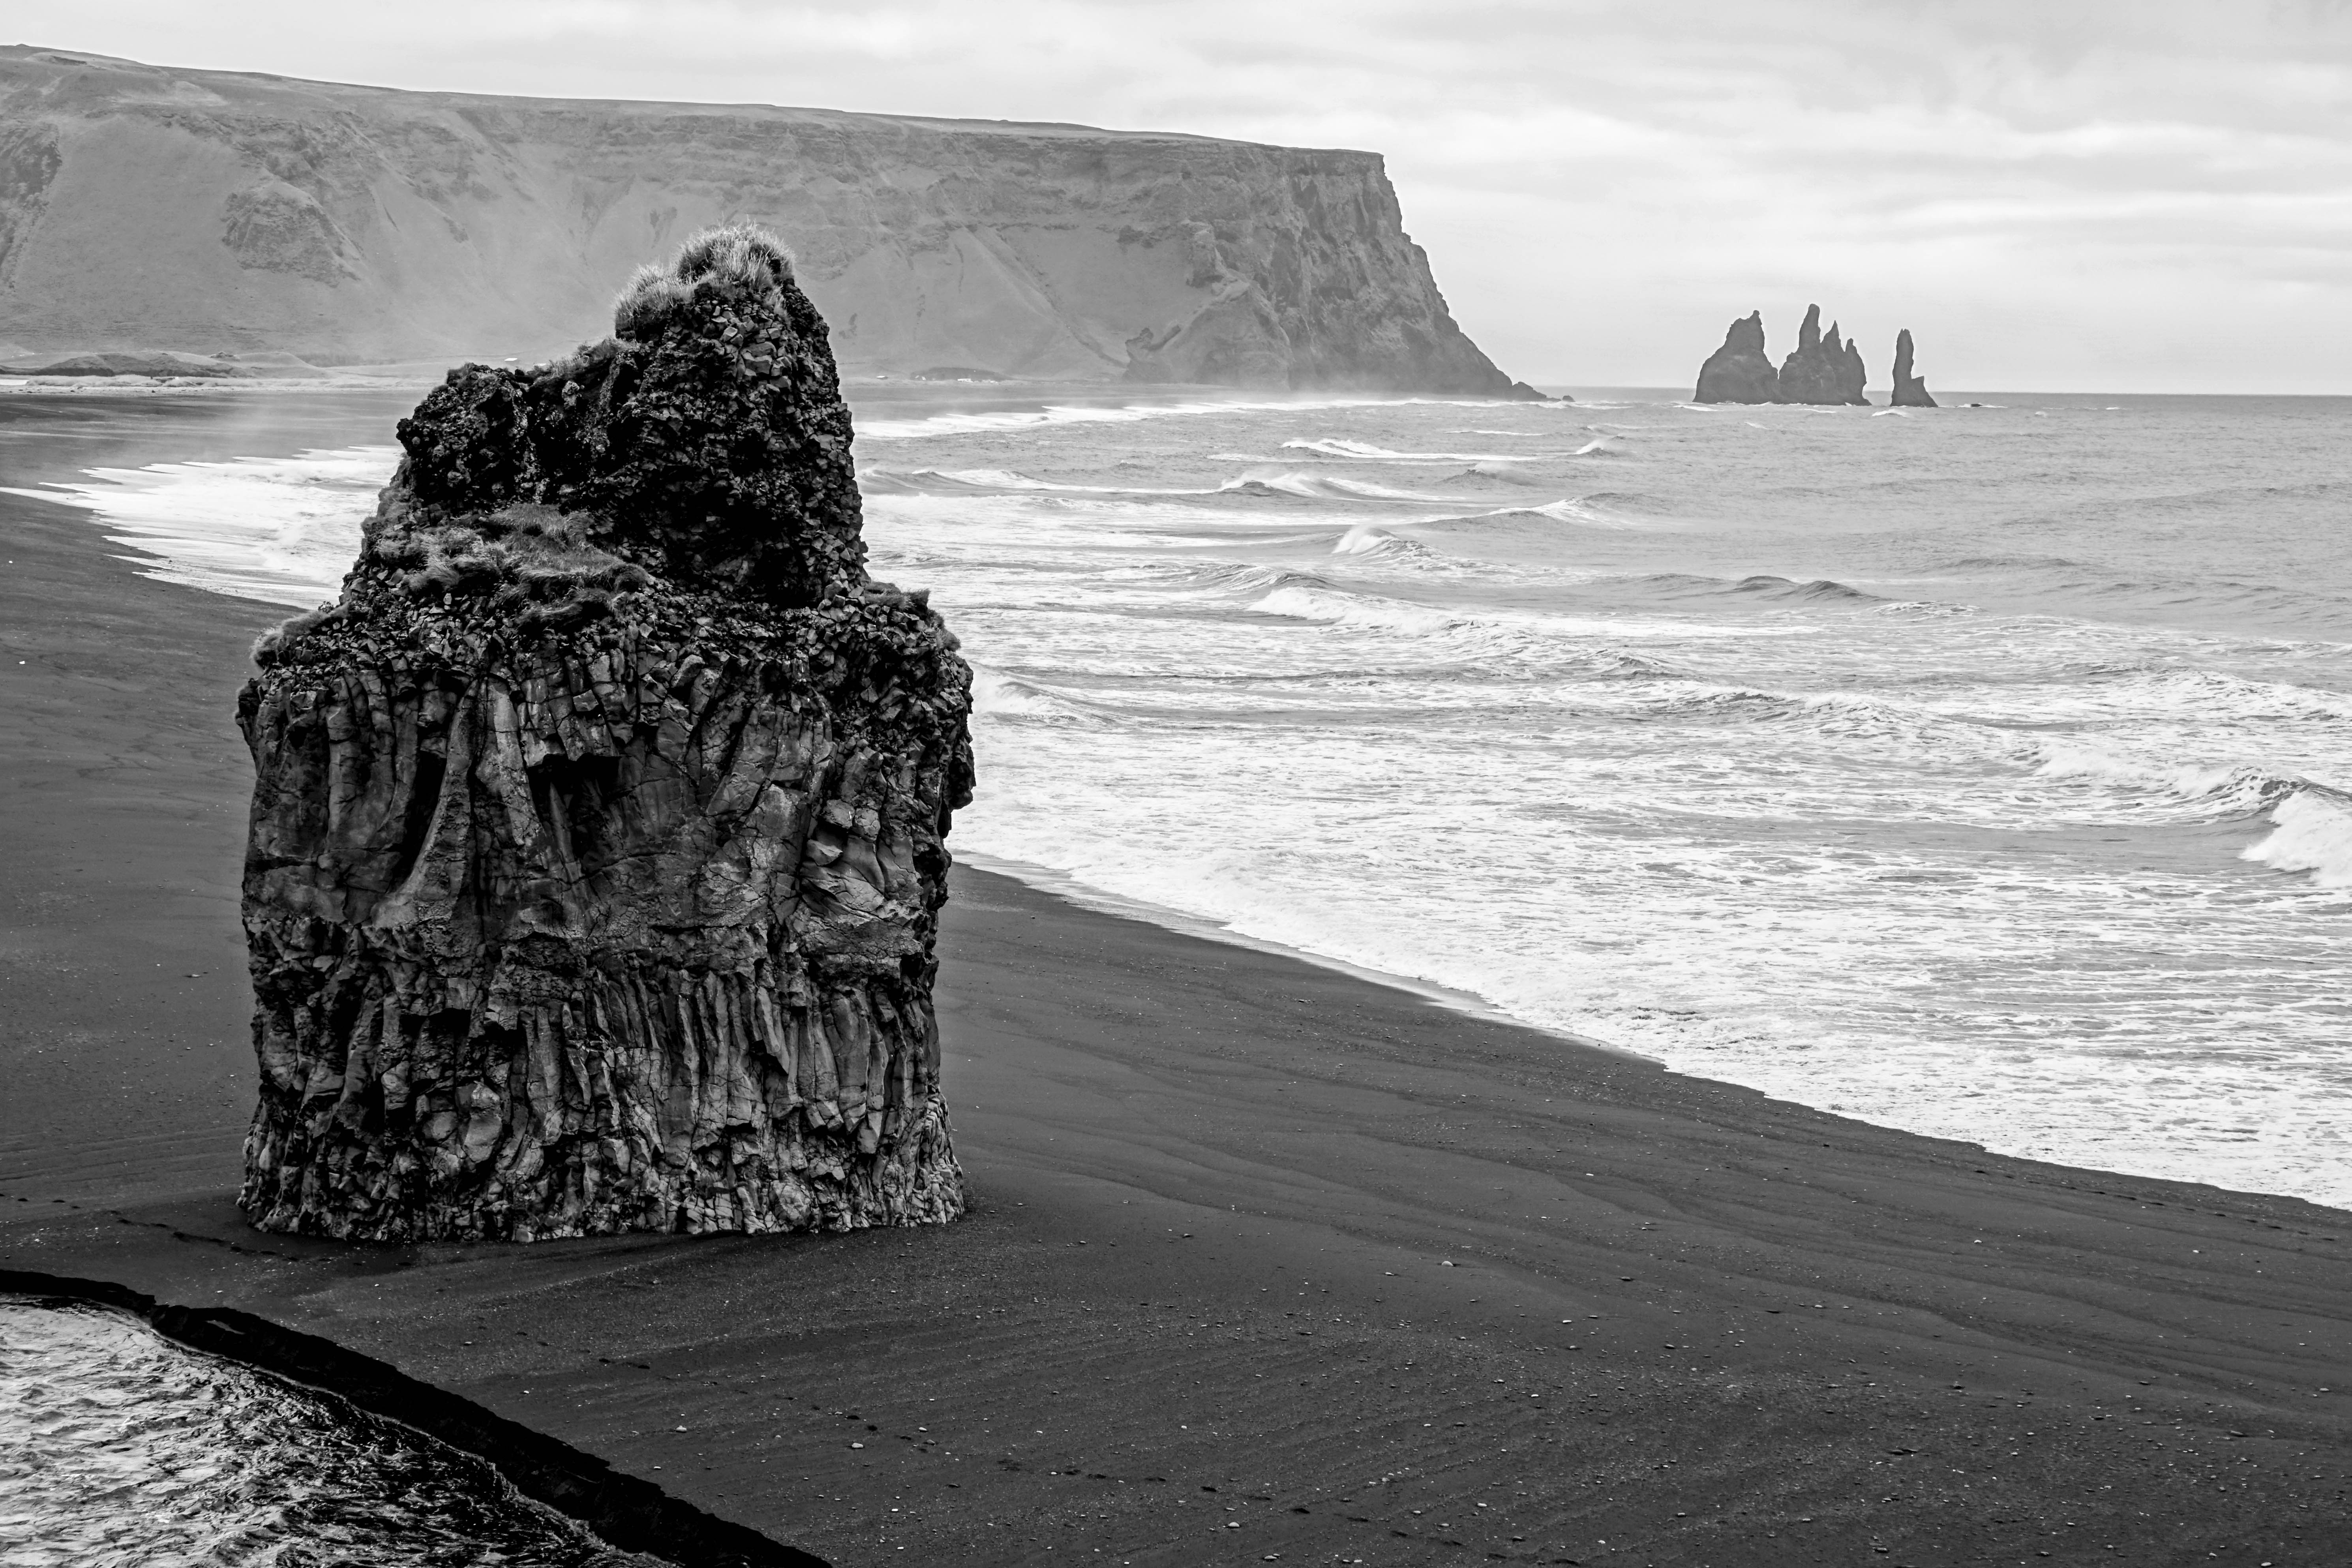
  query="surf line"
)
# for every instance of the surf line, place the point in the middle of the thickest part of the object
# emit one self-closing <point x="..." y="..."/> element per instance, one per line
<point x="623" y="1511"/>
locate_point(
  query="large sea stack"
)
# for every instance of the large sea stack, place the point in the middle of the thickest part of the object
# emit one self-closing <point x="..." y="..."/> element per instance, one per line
<point x="596" y="848"/>
<point x="1823" y="369"/>
<point x="1740" y="371"/>
<point x="1910" y="391"/>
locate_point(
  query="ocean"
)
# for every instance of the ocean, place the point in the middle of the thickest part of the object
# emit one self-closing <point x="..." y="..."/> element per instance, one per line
<point x="1982" y="771"/>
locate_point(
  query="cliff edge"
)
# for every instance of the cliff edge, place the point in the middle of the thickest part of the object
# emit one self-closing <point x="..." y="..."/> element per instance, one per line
<point x="154" y="208"/>
<point x="596" y="850"/>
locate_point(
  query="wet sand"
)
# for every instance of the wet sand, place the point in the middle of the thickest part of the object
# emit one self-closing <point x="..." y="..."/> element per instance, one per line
<point x="1265" y="1262"/>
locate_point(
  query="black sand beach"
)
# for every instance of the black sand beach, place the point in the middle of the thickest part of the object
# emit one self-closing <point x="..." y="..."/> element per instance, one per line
<point x="1265" y="1262"/>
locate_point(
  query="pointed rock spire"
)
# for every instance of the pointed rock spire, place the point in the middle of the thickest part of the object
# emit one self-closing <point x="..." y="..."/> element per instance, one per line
<point x="1823" y="369"/>
<point x="1910" y="391"/>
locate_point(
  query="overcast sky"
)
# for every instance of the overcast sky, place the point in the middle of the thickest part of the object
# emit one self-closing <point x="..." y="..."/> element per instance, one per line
<point x="2055" y="194"/>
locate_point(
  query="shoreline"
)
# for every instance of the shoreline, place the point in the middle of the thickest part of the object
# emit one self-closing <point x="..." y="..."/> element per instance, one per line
<point x="1263" y="1258"/>
<point x="1069" y="890"/>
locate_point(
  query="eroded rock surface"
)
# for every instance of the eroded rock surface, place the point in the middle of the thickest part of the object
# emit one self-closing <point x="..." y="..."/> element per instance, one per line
<point x="1910" y="390"/>
<point x="597" y="836"/>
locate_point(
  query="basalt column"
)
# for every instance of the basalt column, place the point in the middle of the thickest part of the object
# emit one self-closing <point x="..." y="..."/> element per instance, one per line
<point x="597" y="837"/>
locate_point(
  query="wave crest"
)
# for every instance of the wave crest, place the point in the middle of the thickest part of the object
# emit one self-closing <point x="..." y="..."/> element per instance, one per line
<point x="995" y="695"/>
<point x="2311" y="830"/>
<point x="2217" y="791"/>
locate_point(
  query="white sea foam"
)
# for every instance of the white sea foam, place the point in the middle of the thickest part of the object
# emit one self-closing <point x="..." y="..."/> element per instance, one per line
<point x="1310" y="600"/>
<point x="283" y="531"/>
<point x="925" y="427"/>
<point x="1319" y="487"/>
<point x="1336" y="607"/>
<point x="2310" y="832"/>
<point x="1365" y="451"/>
<point x="983" y="482"/>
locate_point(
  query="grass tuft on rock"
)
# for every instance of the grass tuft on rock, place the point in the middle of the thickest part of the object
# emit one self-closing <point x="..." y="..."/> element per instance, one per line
<point x="740" y="257"/>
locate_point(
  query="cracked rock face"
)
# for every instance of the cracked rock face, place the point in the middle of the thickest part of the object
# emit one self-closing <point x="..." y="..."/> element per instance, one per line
<point x="597" y="841"/>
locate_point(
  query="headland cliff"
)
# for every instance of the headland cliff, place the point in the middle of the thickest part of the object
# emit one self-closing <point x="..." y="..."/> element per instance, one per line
<point x="147" y="208"/>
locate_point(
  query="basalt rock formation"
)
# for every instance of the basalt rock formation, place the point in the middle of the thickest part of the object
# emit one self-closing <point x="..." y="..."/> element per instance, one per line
<point x="1740" y="371"/>
<point x="1823" y="369"/>
<point x="146" y="207"/>
<point x="1910" y="391"/>
<point x="596" y="848"/>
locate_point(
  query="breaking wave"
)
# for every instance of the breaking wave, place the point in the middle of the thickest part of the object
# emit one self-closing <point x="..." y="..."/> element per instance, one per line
<point x="1295" y="486"/>
<point x="2219" y="792"/>
<point x="981" y="421"/>
<point x="995" y="695"/>
<point x="1365" y="452"/>
<point x="1367" y="539"/>
<point x="1821" y="590"/>
<point x="991" y="482"/>
<point x="2311" y="831"/>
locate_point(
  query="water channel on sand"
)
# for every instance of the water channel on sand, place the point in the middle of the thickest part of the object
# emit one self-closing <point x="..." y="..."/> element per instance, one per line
<point x="119" y="1447"/>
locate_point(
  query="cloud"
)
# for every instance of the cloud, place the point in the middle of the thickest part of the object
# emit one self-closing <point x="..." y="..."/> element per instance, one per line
<point x="2151" y="195"/>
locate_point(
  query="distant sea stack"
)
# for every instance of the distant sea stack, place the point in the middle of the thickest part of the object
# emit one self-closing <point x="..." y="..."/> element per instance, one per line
<point x="1740" y="371"/>
<point x="145" y="208"/>
<point x="1823" y="370"/>
<point x="597" y="836"/>
<point x="1910" y="391"/>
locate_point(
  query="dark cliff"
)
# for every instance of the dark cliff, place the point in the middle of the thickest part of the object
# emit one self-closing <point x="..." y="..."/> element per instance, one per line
<point x="151" y="208"/>
<point x="1823" y="369"/>
<point x="1740" y="371"/>
<point x="1910" y="391"/>
<point x="597" y="833"/>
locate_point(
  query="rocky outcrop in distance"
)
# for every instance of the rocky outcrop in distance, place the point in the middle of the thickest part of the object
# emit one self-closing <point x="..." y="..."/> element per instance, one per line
<point x="1823" y="369"/>
<point x="145" y="208"/>
<point x="597" y="840"/>
<point x="1740" y="371"/>
<point x="1910" y="391"/>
